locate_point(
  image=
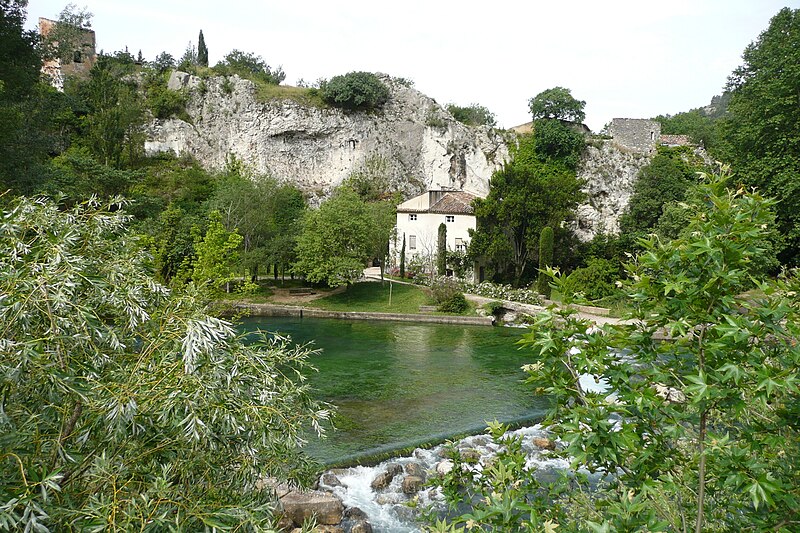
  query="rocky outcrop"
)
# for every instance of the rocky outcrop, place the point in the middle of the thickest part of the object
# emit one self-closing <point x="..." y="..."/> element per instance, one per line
<point x="610" y="172"/>
<point x="413" y="140"/>
<point x="420" y="143"/>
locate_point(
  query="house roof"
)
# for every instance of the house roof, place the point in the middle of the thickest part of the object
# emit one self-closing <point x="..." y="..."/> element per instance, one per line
<point x="445" y="203"/>
<point x="454" y="203"/>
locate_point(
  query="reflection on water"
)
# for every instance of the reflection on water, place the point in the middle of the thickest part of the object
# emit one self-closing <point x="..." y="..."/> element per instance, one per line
<point x="397" y="384"/>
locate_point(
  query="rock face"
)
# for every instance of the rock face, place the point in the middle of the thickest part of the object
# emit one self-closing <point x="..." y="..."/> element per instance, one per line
<point x="412" y="139"/>
<point x="610" y="172"/>
<point x="420" y="143"/>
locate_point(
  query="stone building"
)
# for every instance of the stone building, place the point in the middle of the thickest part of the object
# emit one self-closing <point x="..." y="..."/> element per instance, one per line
<point x="636" y="134"/>
<point x="418" y="221"/>
<point x="84" y="55"/>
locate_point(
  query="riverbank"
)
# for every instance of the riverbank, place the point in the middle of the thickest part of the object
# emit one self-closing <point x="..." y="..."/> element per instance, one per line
<point x="271" y="310"/>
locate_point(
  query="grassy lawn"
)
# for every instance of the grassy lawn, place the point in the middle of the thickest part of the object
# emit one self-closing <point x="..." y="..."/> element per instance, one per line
<point x="374" y="297"/>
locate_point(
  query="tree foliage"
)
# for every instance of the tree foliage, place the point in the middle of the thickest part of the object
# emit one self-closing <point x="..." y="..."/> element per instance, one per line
<point x="441" y="250"/>
<point x="362" y="91"/>
<point x="558" y="104"/>
<point x="250" y="66"/>
<point x="761" y="135"/>
<point x="334" y="245"/>
<point x="526" y="195"/>
<point x="556" y="141"/>
<point x="472" y="115"/>
<point x="202" y="50"/>
<point x="124" y="406"/>
<point x="689" y="434"/>
<point x="265" y="213"/>
<point x="664" y="181"/>
<point x="545" y="260"/>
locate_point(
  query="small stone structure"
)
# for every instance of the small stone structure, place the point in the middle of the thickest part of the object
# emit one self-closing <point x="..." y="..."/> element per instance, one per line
<point x="84" y="55"/>
<point x="637" y="134"/>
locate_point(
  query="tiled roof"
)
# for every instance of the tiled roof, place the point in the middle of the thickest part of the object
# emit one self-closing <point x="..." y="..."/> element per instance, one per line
<point x="454" y="203"/>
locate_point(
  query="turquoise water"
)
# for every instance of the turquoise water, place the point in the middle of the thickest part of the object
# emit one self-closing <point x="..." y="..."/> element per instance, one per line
<point x="398" y="385"/>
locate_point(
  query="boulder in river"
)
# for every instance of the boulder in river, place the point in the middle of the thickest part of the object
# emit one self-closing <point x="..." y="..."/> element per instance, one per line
<point x="412" y="484"/>
<point x="383" y="479"/>
<point x="326" y="508"/>
<point x="415" y="469"/>
<point x="543" y="443"/>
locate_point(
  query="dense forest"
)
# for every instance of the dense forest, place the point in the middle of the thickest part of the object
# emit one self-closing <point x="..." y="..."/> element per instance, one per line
<point x="122" y="395"/>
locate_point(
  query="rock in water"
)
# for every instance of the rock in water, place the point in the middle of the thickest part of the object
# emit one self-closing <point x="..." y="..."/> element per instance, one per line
<point x="301" y="506"/>
<point x="412" y="484"/>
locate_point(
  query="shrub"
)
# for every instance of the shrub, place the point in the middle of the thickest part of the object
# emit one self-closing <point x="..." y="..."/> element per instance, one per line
<point x="594" y="281"/>
<point x="457" y="303"/>
<point x="502" y="292"/>
<point x="249" y="66"/>
<point x="361" y="91"/>
<point x="472" y="115"/>
<point x="164" y="103"/>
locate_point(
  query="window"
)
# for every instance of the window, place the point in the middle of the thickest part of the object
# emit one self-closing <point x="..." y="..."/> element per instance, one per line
<point x="412" y="242"/>
<point x="412" y="216"/>
<point x="460" y="246"/>
<point x="449" y="218"/>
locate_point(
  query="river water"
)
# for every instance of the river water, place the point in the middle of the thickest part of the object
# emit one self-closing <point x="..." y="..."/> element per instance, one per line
<point x="398" y="385"/>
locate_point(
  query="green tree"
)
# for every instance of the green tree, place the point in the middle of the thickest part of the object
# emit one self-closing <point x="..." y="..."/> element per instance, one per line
<point x="19" y="61"/>
<point x="217" y="255"/>
<point x="558" y="142"/>
<point x="545" y="260"/>
<point x="362" y="91"/>
<point x="557" y="103"/>
<point x="202" y="51"/>
<point x="695" y="431"/>
<point x="114" y="124"/>
<point x="524" y="196"/>
<point x="701" y="129"/>
<point x="265" y="213"/>
<point x="403" y="258"/>
<point x="335" y="243"/>
<point x="125" y="406"/>
<point x="664" y="181"/>
<point x="441" y="250"/>
<point x="472" y="115"/>
<point x="249" y="66"/>
<point x="761" y="135"/>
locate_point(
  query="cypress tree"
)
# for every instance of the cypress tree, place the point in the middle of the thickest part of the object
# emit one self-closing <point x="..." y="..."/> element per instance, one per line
<point x="545" y="260"/>
<point x="202" y="51"/>
<point x="441" y="255"/>
<point x="403" y="258"/>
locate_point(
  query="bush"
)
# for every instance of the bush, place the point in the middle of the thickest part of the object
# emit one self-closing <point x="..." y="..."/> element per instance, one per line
<point x="472" y="115"/>
<point x="249" y="66"/>
<point x="556" y="141"/>
<point x="455" y="304"/>
<point x="361" y="91"/>
<point x="503" y="292"/>
<point x="594" y="281"/>
<point x="164" y="103"/>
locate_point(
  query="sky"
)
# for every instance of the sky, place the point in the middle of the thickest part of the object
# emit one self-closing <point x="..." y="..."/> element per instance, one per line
<point x="624" y="58"/>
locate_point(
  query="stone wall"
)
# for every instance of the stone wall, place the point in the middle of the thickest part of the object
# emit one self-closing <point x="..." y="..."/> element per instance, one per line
<point x="637" y="134"/>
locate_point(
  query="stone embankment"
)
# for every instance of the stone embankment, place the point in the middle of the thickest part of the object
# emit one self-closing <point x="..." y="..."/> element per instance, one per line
<point x="252" y="309"/>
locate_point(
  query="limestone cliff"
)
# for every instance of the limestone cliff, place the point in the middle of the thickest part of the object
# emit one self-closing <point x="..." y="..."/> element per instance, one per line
<point x="610" y="171"/>
<point x="422" y="145"/>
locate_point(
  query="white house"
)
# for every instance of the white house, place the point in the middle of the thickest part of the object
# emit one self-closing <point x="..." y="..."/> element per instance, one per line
<point x="418" y="220"/>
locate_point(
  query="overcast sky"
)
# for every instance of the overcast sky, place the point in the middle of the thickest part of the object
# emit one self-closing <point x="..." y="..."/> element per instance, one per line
<point x="625" y="58"/>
